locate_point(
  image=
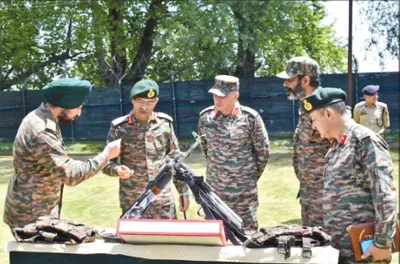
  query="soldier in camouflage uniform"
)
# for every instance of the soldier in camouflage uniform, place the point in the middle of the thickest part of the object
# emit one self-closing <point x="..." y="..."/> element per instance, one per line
<point x="40" y="162"/>
<point x="235" y="143"/>
<point x="147" y="137"/>
<point x="302" y="77"/>
<point x="358" y="182"/>
<point x="371" y="113"/>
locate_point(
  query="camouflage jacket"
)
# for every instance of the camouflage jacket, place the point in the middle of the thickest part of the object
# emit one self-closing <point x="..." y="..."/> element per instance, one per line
<point x="144" y="147"/>
<point x="309" y="151"/>
<point x="375" y="118"/>
<point x="237" y="150"/>
<point x="359" y="187"/>
<point x="41" y="167"/>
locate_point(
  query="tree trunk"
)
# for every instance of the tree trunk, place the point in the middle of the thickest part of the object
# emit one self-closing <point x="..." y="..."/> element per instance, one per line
<point x="245" y="67"/>
<point x="117" y="36"/>
<point x="144" y="53"/>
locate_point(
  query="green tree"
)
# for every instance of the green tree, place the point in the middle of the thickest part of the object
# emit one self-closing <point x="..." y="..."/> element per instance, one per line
<point x="382" y="19"/>
<point x="245" y="38"/>
<point x="35" y="43"/>
<point x="106" y="39"/>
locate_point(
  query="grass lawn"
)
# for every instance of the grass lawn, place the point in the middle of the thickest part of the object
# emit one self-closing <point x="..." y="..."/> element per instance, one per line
<point x="95" y="202"/>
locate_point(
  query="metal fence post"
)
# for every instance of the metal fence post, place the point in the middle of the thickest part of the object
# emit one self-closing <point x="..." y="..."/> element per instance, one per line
<point x="23" y="96"/>
<point x="356" y="76"/>
<point x="73" y="131"/>
<point x="174" y="104"/>
<point x="120" y="93"/>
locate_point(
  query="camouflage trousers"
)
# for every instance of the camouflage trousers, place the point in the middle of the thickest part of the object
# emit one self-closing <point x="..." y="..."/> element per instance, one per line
<point x="311" y="206"/>
<point x="245" y="205"/>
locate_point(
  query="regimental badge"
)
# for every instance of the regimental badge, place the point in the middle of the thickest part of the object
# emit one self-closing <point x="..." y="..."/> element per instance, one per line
<point x="307" y="105"/>
<point x="151" y="93"/>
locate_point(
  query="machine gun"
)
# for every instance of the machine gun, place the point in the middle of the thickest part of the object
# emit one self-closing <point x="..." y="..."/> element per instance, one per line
<point x="212" y="205"/>
<point x="155" y="186"/>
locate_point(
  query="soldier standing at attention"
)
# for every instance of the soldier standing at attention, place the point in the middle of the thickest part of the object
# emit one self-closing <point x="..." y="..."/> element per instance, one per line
<point x="41" y="165"/>
<point x="371" y="113"/>
<point x="235" y="143"/>
<point x="147" y="137"/>
<point x="358" y="182"/>
<point x="302" y="77"/>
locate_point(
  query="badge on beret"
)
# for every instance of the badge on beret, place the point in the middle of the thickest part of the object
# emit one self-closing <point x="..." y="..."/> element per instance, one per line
<point x="307" y="105"/>
<point x="151" y="93"/>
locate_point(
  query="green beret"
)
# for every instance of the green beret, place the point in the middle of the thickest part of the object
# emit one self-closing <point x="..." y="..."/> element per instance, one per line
<point x="322" y="97"/>
<point x="144" y="89"/>
<point x="66" y="93"/>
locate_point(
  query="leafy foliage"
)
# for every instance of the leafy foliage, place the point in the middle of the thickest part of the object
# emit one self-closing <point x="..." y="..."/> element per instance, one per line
<point x="106" y="40"/>
<point x="382" y="19"/>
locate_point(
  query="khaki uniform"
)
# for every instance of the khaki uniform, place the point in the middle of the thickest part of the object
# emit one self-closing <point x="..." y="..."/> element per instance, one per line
<point x="375" y="118"/>
<point x="41" y="168"/>
<point x="143" y="149"/>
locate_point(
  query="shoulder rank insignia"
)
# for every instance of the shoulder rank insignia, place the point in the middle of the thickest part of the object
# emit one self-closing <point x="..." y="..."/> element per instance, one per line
<point x="51" y="125"/>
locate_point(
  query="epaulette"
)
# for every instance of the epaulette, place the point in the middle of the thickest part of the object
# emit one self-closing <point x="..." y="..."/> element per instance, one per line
<point x="250" y="110"/>
<point x="360" y="104"/>
<point x="51" y="125"/>
<point x="210" y="108"/>
<point x="361" y="132"/>
<point x="120" y="120"/>
<point x="165" y="116"/>
<point x="381" y="104"/>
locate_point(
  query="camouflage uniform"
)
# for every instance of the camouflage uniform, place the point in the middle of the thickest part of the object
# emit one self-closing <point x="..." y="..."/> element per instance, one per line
<point x="237" y="150"/>
<point x="41" y="168"/>
<point x="359" y="188"/>
<point x="375" y="117"/>
<point x="309" y="151"/>
<point x="143" y="149"/>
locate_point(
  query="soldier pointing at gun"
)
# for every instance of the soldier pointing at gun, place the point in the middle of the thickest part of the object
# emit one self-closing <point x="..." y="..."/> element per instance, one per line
<point x="41" y="165"/>
<point x="147" y="137"/>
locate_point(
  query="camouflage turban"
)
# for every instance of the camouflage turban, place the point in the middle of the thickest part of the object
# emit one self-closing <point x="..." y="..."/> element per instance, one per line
<point x="66" y="93"/>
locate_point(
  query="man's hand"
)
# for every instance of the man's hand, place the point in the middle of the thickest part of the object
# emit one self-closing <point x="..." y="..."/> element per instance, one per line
<point x="123" y="171"/>
<point x="377" y="253"/>
<point x="185" y="206"/>
<point x="112" y="149"/>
